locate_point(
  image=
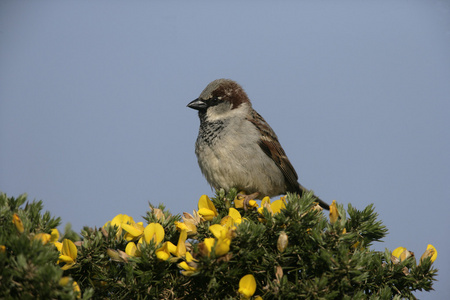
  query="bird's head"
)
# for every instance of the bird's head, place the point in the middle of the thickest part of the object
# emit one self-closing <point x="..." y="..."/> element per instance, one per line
<point x="221" y="99"/>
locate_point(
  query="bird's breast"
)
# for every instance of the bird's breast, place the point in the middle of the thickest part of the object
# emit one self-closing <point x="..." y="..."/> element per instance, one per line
<point x="229" y="156"/>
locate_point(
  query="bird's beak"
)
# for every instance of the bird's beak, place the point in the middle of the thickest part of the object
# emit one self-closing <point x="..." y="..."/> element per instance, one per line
<point x="197" y="104"/>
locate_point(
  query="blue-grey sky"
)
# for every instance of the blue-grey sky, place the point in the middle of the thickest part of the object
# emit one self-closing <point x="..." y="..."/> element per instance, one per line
<point x="93" y="94"/>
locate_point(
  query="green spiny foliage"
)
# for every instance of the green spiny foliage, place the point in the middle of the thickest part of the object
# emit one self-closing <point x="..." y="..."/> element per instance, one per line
<point x="28" y="268"/>
<point x="296" y="253"/>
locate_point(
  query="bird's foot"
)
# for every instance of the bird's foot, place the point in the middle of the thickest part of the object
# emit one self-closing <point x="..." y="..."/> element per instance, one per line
<point x="247" y="198"/>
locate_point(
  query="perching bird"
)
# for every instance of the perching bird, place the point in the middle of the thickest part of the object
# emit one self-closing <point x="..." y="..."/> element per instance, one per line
<point x="236" y="147"/>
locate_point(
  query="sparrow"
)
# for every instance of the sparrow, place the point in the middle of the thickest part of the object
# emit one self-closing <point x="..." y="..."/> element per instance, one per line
<point x="237" y="148"/>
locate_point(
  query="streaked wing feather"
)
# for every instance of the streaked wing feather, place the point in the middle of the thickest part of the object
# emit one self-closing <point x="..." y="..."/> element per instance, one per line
<point x="271" y="146"/>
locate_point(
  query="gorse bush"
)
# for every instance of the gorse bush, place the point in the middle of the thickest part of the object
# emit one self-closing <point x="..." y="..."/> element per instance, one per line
<point x="28" y="260"/>
<point x="227" y="249"/>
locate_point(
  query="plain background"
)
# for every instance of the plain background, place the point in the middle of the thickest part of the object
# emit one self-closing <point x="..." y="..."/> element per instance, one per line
<point x="93" y="95"/>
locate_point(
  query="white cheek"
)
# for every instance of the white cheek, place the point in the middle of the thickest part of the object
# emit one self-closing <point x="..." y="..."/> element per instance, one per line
<point x="223" y="111"/>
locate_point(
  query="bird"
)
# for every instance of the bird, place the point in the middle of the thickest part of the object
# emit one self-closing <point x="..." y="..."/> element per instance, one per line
<point x="237" y="148"/>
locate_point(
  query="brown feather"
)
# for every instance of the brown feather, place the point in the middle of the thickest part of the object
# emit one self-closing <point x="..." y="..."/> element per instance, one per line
<point x="271" y="146"/>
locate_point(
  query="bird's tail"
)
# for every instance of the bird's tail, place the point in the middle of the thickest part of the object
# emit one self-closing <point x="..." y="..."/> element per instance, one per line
<point x="322" y="203"/>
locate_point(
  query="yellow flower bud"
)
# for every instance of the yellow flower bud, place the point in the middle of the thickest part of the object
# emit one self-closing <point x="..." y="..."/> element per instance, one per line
<point x="76" y="289"/>
<point x="334" y="214"/>
<point x="430" y="252"/>
<point x="159" y="214"/>
<point x="64" y="281"/>
<point x="247" y="286"/>
<point x="18" y="223"/>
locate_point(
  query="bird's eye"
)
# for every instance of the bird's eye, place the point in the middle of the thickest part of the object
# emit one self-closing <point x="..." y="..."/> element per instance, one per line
<point x="214" y="101"/>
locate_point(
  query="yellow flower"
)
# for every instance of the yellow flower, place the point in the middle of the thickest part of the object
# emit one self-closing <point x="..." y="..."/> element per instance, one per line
<point x="187" y="225"/>
<point x="218" y="230"/>
<point x="209" y="243"/>
<point x="2" y="248"/>
<point x="164" y="252"/>
<point x="54" y="235"/>
<point x="181" y="246"/>
<point x="76" y="289"/>
<point x="134" y="231"/>
<point x="252" y="204"/>
<point x="239" y="200"/>
<point x="237" y="218"/>
<point x="227" y="221"/>
<point x="154" y="232"/>
<point x="43" y="237"/>
<point x="274" y="207"/>
<point x="48" y="238"/>
<point x="168" y="248"/>
<point x="233" y="218"/>
<point x="58" y="246"/>
<point x="132" y="250"/>
<point x="68" y="254"/>
<point x="18" y="223"/>
<point x="121" y="219"/>
<point x="398" y="251"/>
<point x="65" y="281"/>
<point x="278" y="205"/>
<point x="401" y="253"/>
<point x="189" y="266"/>
<point x="180" y="226"/>
<point x="247" y="286"/>
<point x="265" y="203"/>
<point x="118" y="221"/>
<point x="334" y="214"/>
<point x="430" y="252"/>
<point x="222" y="240"/>
<point x="206" y="208"/>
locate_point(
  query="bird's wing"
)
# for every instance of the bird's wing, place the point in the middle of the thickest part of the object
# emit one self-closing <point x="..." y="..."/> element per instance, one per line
<point x="271" y="146"/>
